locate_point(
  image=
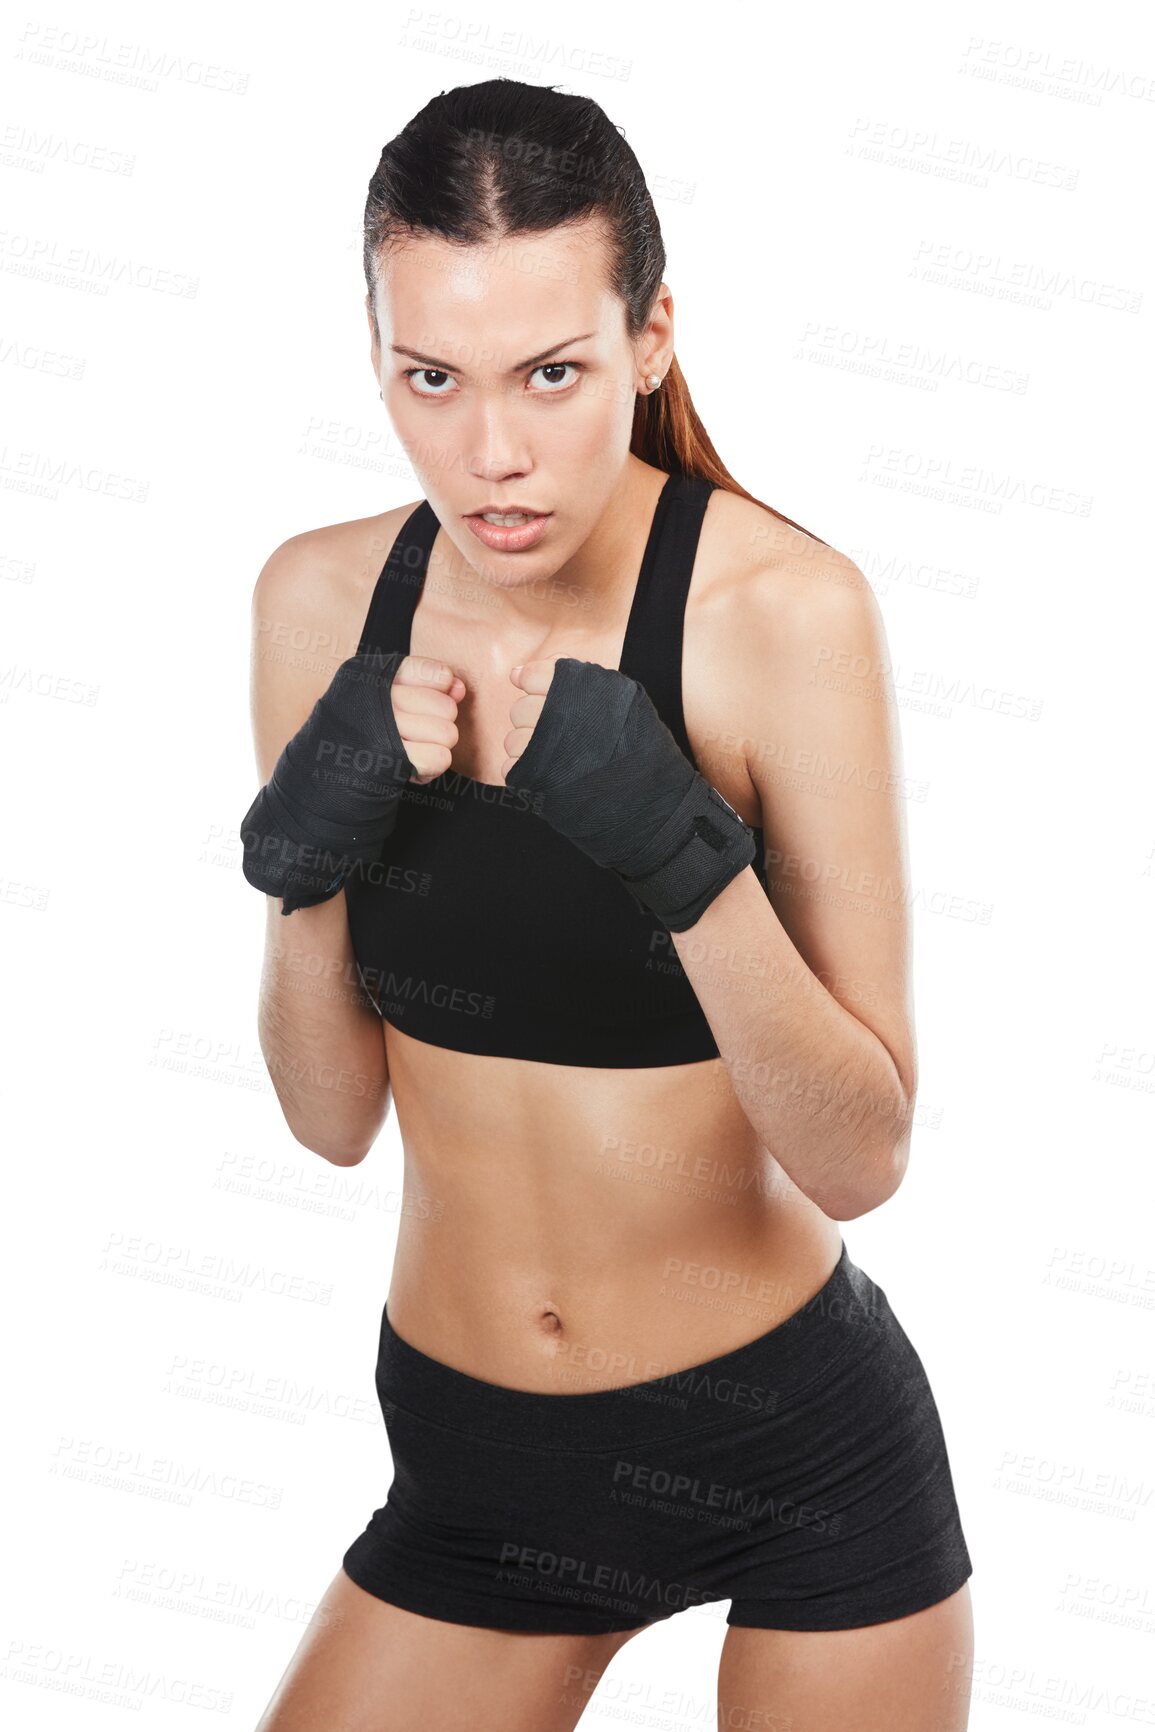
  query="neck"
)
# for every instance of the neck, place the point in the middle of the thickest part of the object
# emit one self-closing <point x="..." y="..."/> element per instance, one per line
<point x="590" y="588"/>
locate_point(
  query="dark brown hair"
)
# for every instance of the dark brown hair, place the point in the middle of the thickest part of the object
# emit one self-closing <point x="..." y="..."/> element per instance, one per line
<point x="489" y="161"/>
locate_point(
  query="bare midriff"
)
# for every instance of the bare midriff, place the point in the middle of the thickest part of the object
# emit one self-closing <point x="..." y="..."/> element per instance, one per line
<point x="566" y="1229"/>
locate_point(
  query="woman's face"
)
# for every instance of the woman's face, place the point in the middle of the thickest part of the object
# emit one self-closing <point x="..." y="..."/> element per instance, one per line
<point x="510" y="381"/>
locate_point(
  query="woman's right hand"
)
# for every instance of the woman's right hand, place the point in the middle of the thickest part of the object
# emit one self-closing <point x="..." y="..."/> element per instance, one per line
<point x="425" y="694"/>
<point x="331" y="803"/>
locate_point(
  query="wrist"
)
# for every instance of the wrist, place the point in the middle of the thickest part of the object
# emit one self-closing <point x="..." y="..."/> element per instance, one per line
<point x="701" y="847"/>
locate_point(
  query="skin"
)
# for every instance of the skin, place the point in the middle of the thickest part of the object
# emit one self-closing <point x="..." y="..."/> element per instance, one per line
<point x="541" y="1266"/>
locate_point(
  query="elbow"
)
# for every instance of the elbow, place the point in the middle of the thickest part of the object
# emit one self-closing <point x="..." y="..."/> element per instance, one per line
<point x="342" y="1139"/>
<point x="337" y="1154"/>
<point x="342" y="1157"/>
<point x="849" y="1205"/>
<point x="876" y="1179"/>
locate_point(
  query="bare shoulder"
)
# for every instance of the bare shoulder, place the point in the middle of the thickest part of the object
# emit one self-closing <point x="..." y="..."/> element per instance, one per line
<point x="322" y="580"/>
<point x="309" y="604"/>
<point x="755" y="560"/>
<point x="768" y="605"/>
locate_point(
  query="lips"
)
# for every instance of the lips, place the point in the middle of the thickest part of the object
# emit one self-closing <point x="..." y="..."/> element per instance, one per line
<point x="513" y="537"/>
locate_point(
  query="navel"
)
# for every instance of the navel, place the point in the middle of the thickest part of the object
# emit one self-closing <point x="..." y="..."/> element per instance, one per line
<point x="551" y="1322"/>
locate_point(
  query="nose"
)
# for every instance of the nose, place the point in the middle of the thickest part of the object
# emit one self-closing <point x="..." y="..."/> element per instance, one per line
<point x="495" y="435"/>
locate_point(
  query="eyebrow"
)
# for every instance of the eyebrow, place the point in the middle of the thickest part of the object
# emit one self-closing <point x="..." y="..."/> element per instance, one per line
<point x="518" y="366"/>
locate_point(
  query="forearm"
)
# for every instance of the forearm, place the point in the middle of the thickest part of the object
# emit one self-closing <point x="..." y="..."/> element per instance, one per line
<point x="819" y="1088"/>
<point x="323" y="1045"/>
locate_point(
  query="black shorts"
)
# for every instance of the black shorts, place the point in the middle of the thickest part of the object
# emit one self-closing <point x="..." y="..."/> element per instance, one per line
<point x="804" y="1477"/>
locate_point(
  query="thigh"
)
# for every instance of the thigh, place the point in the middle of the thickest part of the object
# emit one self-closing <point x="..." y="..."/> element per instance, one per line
<point x="364" y="1665"/>
<point x="911" y="1674"/>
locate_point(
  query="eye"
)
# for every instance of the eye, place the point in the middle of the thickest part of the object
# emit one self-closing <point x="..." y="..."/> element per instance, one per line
<point x="427" y="372"/>
<point x="554" y="388"/>
<point x="556" y="367"/>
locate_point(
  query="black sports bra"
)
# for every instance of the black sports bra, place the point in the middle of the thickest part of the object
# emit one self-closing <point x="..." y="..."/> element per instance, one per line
<point x="482" y="929"/>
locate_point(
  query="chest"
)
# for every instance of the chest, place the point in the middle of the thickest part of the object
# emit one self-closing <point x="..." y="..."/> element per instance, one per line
<point x="484" y="651"/>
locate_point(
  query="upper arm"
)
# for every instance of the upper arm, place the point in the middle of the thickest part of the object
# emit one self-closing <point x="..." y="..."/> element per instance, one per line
<point x="824" y="753"/>
<point x="303" y="611"/>
<point x="296" y="642"/>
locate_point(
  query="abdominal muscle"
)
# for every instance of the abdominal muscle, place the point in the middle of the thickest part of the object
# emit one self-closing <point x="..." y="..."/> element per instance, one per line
<point x="567" y="1229"/>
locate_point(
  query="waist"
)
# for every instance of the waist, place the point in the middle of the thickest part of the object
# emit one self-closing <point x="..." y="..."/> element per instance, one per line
<point x="574" y="1294"/>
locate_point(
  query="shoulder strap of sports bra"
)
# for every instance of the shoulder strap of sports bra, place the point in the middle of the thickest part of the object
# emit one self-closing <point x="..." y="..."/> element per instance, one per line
<point x="652" y="652"/>
<point x="394" y="601"/>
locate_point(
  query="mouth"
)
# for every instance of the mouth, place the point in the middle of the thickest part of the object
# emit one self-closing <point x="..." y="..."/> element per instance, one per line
<point x="510" y="531"/>
<point x="507" y="516"/>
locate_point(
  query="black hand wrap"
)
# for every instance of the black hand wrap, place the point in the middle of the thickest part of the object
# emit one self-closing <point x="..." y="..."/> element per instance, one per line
<point x="611" y="777"/>
<point x="331" y="801"/>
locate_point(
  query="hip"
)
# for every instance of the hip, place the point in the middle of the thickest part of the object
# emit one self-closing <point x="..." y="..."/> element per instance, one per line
<point x="804" y="1476"/>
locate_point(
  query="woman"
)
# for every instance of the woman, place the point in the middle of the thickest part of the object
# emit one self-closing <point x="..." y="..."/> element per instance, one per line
<point x="595" y="843"/>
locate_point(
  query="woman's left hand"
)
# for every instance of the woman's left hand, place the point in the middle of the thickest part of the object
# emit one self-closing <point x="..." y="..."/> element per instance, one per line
<point x="608" y="774"/>
<point x="534" y="679"/>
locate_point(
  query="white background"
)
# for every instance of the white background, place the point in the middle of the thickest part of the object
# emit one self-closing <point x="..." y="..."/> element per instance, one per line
<point x="876" y="221"/>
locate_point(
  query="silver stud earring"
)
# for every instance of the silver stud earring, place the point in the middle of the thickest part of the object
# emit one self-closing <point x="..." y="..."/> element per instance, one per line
<point x="654" y="381"/>
<point x="381" y="394"/>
